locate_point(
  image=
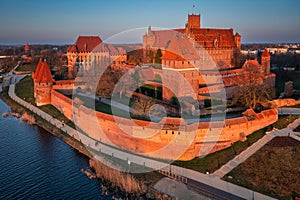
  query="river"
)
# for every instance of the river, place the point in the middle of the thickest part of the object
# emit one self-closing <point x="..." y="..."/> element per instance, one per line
<point x="36" y="165"/>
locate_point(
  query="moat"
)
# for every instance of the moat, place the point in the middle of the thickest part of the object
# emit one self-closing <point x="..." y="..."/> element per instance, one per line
<point x="33" y="165"/>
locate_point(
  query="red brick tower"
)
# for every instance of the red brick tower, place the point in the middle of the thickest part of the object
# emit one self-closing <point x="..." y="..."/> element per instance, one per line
<point x="265" y="61"/>
<point x="193" y="21"/>
<point x="237" y="40"/>
<point x="43" y="82"/>
<point x="26" y="48"/>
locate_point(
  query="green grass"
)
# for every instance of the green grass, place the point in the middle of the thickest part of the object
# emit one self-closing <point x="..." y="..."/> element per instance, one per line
<point x="24" y="90"/>
<point x="277" y="174"/>
<point x="214" y="161"/>
<point x="296" y="106"/>
<point x="284" y="120"/>
<point x="102" y="107"/>
<point x="26" y="68"/>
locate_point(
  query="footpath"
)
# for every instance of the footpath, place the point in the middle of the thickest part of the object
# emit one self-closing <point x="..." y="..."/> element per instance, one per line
<point x="288" y="131"/>
<point x="224" y="189"/>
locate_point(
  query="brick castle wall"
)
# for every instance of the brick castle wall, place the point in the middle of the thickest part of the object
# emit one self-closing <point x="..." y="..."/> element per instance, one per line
<point x="150" y="138"/>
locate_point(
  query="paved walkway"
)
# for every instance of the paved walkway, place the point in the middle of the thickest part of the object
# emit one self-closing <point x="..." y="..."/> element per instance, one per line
<point x="288" y="111"/>
<point x="209" y="180"/>
<point x="225" y="169"/>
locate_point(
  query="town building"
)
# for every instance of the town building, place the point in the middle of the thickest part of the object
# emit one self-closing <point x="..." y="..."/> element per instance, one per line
<point x="89" y="50"/>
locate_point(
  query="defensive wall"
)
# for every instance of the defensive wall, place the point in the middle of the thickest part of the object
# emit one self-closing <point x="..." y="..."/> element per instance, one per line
<point x="149" y="138"/>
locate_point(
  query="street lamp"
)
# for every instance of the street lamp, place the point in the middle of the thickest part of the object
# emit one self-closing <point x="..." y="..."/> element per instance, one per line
<point x="128" y="165"/>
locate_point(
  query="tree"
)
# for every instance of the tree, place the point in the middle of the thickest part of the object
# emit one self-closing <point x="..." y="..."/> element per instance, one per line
<point x="158" y="57"/>
<point x="252" y="92"/>
<point x="141" y="106"/>
<point x="237" y="59"/>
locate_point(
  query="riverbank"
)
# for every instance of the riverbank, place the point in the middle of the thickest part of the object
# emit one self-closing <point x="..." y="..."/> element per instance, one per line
<point x="143" y="182"/>
<point x="17" y="108"/>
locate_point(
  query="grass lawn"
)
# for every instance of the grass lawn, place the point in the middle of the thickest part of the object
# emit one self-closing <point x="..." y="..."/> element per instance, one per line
<point x="214" y="161"/>
<point x="24" y="90"/>
<point x="277" y="174"/>
<point x="296" y="106"/>
<point x="26" y="68"/>
<point x="284" y="120"/>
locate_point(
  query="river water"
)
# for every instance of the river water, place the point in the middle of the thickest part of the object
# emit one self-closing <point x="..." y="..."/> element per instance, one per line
<point x="36" y="165"/>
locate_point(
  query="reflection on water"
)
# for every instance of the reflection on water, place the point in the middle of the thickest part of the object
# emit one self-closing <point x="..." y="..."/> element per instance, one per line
<point x="36" y="165"/>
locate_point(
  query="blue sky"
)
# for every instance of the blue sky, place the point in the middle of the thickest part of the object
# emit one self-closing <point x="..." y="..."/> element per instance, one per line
<point x="60" y="22"/>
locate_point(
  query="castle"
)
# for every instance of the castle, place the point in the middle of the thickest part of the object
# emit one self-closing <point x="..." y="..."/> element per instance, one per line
<point x="205" y="58"/>
<point x="179" y="55"/>
<point x="219" y="43"/>
<point x="88" y="50"/>
<point x="187" y="140"/>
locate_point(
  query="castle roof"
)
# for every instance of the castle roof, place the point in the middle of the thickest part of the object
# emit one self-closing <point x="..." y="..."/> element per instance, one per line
<point x="38" y="68"/>
<point x="251" y="64"/>
<point x="43" y="73"/>
<point x="113" y="51"/>
<point x="180" y="48"/>
<point x="209" y="37"/>
<point x="85" y="44"/>
<point x="26" y="48"/>
<point x="265" y="53"/>
<point x="206" y="37"/>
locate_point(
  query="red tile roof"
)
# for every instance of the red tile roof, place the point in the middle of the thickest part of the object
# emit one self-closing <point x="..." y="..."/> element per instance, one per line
<point x="113" y="51"/>
<point x="85" y="44"/>
<point x="206" y="37"/>
<point x="180" y="47"/>
<point x="43" y="75"/>
<point x="171" y="56"/>
<point x="26" y="47"/>
<point x="38" y="68"/>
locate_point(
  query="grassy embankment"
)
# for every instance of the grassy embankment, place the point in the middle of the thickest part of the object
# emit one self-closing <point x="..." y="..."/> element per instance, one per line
<point x="24" y="90"/>
<point x="135" y="185"/>
<point x="26" y="68"/>
<point x="272" y="170"/>
<point x="214" y="161"/>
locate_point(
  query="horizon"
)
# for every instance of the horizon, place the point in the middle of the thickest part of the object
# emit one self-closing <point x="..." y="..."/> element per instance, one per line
<point x="258" y="22"/>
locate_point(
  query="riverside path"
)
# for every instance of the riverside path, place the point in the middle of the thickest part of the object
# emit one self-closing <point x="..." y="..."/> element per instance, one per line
<point x="210" y="184"/>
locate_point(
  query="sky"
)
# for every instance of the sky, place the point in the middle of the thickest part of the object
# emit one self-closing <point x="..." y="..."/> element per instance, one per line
<point x="61" y="22"/>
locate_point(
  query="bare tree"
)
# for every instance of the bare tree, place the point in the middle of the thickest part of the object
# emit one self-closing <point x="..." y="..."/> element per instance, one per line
<point x="141" y="106"/>
<point x="253" y="92"/>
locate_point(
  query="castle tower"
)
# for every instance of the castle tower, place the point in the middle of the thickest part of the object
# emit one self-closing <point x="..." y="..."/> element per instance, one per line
<point x="43" y="82"/>
<point x="26" y="48"/>
<point x="265" y="61"/>
<point x="237" y="40"/>
<point x="37" y="69"/>
<point x="193" y="21"/>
